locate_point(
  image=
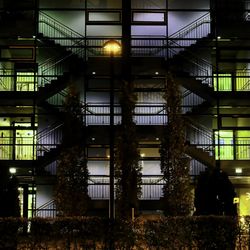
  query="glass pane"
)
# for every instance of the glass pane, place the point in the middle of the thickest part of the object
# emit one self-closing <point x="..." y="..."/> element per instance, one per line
<point x="104" y="16"/>
<point x="26" y="81"/>
<point x="243" y="80"/>
<point x="24" y="145"/>
<point x="6" y="145"/>
<point x="224" y="82"/>
<point x="224" y="145"/>
<point x="243" y="145"/>
<point x="148" y="17"/>
<point x="6" y="80"/>
<point x="31" y="204"/>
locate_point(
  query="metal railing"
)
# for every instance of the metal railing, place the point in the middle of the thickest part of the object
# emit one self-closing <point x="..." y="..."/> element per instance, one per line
<point x="151" y="187"/>
<point x="189" y="34"/>
<point x="11" y="80"/>
<point x="49" y="138"/>
<point x="160" y="45"/>
<point x="98" y="189"/>
<point x="99" y="114"/>
<point x="13" y="148"/>
<point x="190" y="100"/>
<point x="201" y="137"/>
<point x="72" y="41"/>
<point x="193" y="65"/>
<point x="242" y="148"/>
<point x="58" y="99"/>
<point x="242" y="80"/>
<point x="47" y="210"/>
<point x="7" y="77"/>
<point x="52" y="28"/>
<point x="196" y="168"/>
<point x="78" y="45"/>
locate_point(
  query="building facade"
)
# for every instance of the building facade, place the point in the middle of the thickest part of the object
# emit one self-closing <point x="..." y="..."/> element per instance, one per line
<point x="47" y="46"/>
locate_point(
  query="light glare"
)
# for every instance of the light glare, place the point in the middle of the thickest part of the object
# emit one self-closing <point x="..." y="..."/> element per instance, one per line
<point x="112" y="47"/>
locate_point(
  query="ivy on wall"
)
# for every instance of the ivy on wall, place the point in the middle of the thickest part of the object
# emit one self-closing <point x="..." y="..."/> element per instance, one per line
<point x="71" y="192"/>
<point x="127" y="165"/>
<point x="174" y="164"/>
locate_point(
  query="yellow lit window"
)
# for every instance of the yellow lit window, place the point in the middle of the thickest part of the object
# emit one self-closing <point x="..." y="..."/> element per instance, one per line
<point x="222" y="82"/>
<point x="25" y="150"/>
<point x="26" y="81"/>
<point x="243" y="145"/>
<point x="224" y="145"/>
<point x="6" y="145"/>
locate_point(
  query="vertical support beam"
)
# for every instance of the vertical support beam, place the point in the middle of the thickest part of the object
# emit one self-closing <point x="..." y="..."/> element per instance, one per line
<point x="13" y="142"/>
<point x="111" y="142"/>
<point x="25" y="200"/>
<point x="126" y="39"/>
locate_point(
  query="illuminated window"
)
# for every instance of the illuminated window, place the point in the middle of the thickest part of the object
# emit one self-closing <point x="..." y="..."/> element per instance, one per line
<point x="6" y="145"/>
<point x="24" y="149"/>
<point x="6" y="80"/>
<point x="31" y="200"/>
<point x="222" y="82"/>
<point x="243" y="145"/>
<point x="158" y="17"/>
<point x="243" y="80"/>
<point x="26" y="81"/>
<point x="224" y="149"/>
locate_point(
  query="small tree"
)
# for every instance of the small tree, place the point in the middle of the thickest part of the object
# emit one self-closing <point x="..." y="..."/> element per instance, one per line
<point x="72" y="172"/>
<point x="174" y="163"/>
<point x="127" y="166"/>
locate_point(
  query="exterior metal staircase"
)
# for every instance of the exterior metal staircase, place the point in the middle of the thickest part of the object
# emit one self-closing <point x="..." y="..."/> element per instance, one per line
<point x="199" y="144"/>
<point x="47" y="210"/>
<point x="48" y="145"/>
<point x="200" y="155"/>
<point x="196" y="86"/>
<point x="193" y="73"/>
<point x="56" y="72"/>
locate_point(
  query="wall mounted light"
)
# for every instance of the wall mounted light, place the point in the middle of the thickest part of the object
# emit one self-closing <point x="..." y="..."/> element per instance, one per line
<point x="12" y="170"/>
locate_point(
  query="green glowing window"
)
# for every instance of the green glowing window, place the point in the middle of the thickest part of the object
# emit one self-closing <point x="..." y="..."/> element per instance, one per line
<point x="6" y="145"/>
<point x="224" y="149"/>
<point x="243" y="80"/>
<point x="222" y="82"/>
<point x="243" y="145"/>
<point x="24" y="149"/>
<point x="6" y="80"/>
<point x="31" y="200"/>
<point x="26" y="81"/>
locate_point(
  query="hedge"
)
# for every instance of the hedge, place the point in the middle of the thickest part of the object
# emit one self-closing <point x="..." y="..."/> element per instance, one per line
<point x="201" y="232"/>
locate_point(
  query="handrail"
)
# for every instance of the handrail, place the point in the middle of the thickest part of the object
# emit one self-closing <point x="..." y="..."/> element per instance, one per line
<point x="49" y="129"/>
<point x="200" y="64"/>
<point x="58" y="23"/>
<point x="246" y="85"/>
<point x="243" y="74"/>
<point x="49" y="208"/>
<point x="45" y="205"/>
<point x="71" y="39"/>
<point x="177" y="42"/>
<point x="189" y="27"/>
<point x="205" y="131"/>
